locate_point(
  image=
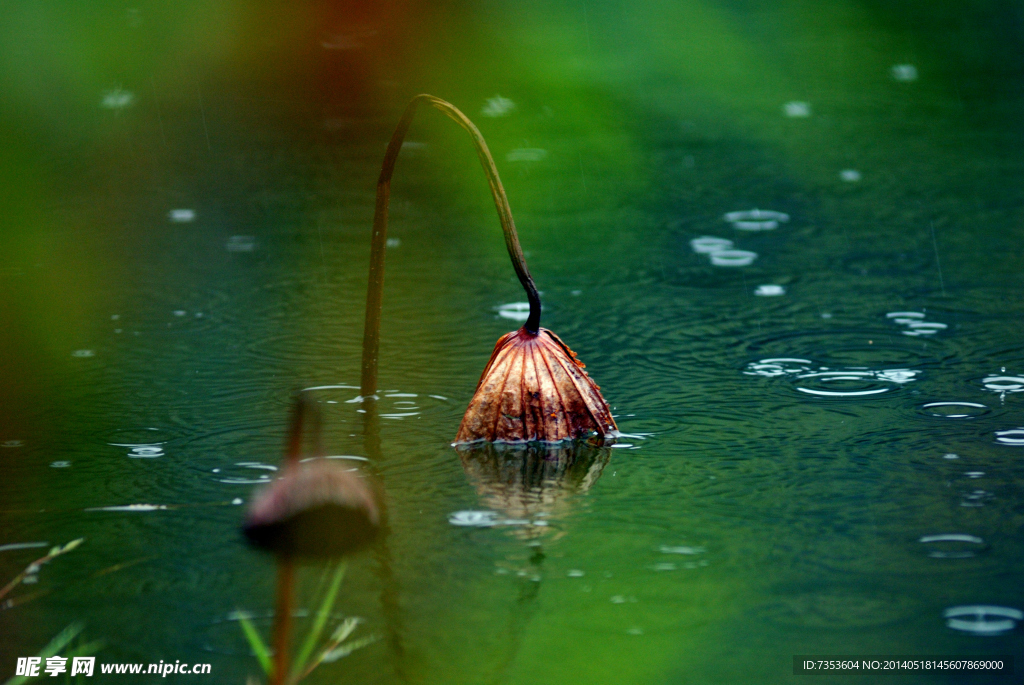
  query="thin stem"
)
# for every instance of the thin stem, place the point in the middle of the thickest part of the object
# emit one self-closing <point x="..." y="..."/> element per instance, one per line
<point x="378" y="244"/>
<point x="283" y="618"/>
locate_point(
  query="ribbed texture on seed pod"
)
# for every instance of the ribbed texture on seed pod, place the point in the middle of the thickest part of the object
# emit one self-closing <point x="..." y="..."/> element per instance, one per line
<point x="534" y="388"/>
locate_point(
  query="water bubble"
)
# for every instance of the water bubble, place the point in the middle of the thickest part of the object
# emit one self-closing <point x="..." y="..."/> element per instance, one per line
<point x="952" y="545"/>
<point x="733" y="258"/>
<point x="770" y="290"/>
<point x="393" y="242"/>
<point x="236" y="501"/>
<point x="526" y="154"/>
<point x="707" y="244"/>
<point x="60" y="464"/>
<point x="974" y="474"/>
<point x="240" y="243"/>
<point x="12" y="443"/>
<point x="180" y="312"/>
<point x="498" y="106"/>
<point x="950" y="456"/>
<point x="850" y="175"/>
<point x="182" y="216"/>
<point x="982" y="619"/>
<point x="797" y="109"/>
<point x="83" y="353"/>
<point x="904" y="72"/>
<point x="1014" y="436"/>
<point x="904" y="315"/>
<point x="954" y="410"/>
<point x="517" y="311"/>
<point x="117" y="99"/>
<point x="575" y="573"/>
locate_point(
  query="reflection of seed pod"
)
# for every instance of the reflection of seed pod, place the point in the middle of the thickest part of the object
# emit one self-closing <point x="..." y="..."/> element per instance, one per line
<point x="318" y="509"/>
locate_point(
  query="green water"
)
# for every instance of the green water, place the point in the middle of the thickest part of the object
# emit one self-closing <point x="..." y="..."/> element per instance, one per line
<point x="755" y="510"/>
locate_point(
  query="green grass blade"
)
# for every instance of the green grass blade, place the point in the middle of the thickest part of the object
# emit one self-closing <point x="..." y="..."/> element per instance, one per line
<point x="59" y="642"/>
<point x="255" y="642"/>
<point x="318" y="624"/>
<point x="346" y="649"/>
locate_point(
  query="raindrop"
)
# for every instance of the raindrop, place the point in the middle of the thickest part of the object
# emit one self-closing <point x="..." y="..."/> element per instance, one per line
<point x="60" y="464"/>
<point x="83" y="353"/>
<point x="974" y="474"/>
<point x="146" y="452"/>
<point x="236" y="501"/>
<point x="850" y="175"/>
<point x="707" y="244"/>
<point x="756" y="220"/>
<point x="770" y="290"/>
<point x="1004" y="385"/>
<point x="950" y="456"/>
<point x="479" y="519"/>
<point x="526" y="154"/>
<point x="182" y="216"/>
<point x="665" y="549"/>
<point x="952" y="545"/>
<point x="904" y="72"/>
<point x="517" y="311"/>
<point x="240" y="243"/>
<point x="575" y="573"/>
<point x="245" y="476"/>
<point x="1014" y="436"/>
<point x="733" y="258"/>
<point x="955" y="410"/>
<point x="797" y="109"/>
<point x="117" y="99"/>
<point x="981" y="619"/>
<point x="393" y="242"/>
<point x="131" y="507"/>
<point x="180" y="312"/>
<point x="976" y="498"/>
<point x="498" y="106"/>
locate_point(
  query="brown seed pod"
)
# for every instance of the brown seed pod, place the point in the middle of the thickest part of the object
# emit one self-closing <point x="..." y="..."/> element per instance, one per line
<point x="534" y="389"/>
<point x="318" y="508"/>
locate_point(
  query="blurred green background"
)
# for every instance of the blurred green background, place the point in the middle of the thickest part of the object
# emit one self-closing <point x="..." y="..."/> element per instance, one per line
<point x="268" y="121"/>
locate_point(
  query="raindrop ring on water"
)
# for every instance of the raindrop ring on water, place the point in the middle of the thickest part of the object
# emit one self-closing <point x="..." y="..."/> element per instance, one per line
<point x="707" y="244"/>
<point x="982" y="619"/>
<point x="1014" y="436"/>
<point x="733" y="258"/>
<point x="952" y="545"/>
<point x="955" y="410"/>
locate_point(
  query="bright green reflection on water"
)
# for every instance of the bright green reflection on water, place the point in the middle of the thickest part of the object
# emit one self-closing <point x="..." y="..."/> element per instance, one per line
<point x="763" y="508"/>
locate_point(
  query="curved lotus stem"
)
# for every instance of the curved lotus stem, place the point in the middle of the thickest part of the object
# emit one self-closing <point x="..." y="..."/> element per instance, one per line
<point x="375" y="291"/>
